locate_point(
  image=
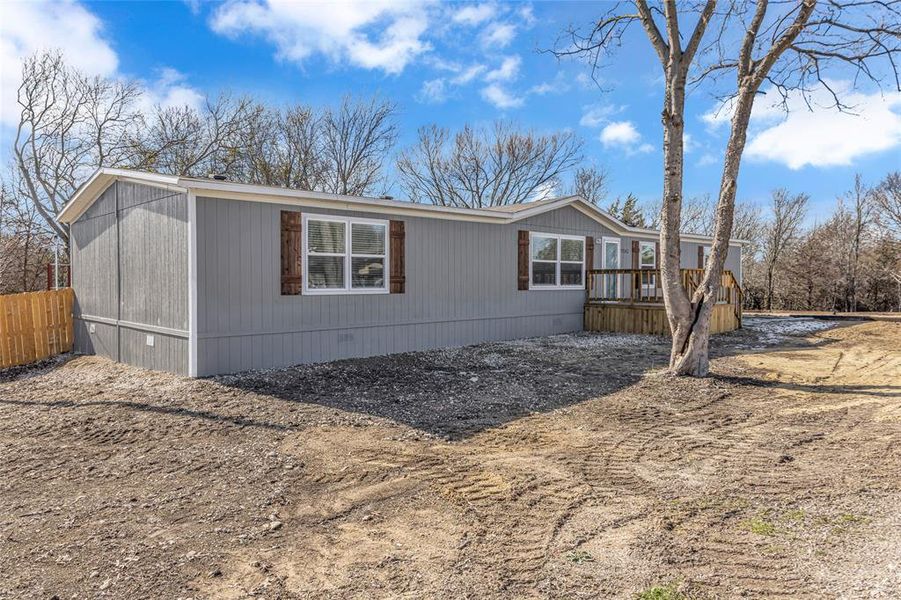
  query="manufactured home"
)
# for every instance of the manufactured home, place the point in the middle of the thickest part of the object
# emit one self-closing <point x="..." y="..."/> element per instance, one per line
<point x="205" y="276"/>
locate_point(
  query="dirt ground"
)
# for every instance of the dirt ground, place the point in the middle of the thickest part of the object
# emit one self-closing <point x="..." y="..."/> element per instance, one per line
<point x="557" y="467"/>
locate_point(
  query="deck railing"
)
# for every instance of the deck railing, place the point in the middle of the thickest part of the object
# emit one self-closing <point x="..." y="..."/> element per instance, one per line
<point x="643" y="286"/>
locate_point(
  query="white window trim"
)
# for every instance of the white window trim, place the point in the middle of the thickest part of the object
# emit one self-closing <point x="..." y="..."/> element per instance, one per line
<point x="559" y="237"/>
<point x="651" y="283"/>
<point x="653" y="247"/>
<point x="347" y="289"/>
<point x="612" y="240"/>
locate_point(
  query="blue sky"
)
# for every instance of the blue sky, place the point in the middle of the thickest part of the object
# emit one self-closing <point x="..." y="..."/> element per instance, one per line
<point x="453" y="64"/>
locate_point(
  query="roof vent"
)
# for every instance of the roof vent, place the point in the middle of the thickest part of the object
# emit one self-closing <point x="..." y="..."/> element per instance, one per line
<point x="387" y="197"/>
<point x="217" y="176"/>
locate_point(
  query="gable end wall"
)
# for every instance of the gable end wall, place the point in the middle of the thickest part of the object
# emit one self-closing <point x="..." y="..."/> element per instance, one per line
<point x="129" y="273"/>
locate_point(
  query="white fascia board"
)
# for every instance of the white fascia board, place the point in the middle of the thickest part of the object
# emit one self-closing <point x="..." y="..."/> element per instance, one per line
<point x="259" y="193"/>
<point x="102" y="178"/>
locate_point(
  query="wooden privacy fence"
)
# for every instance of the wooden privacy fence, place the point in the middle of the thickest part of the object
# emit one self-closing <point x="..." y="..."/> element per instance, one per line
<point x="35" y="325"/>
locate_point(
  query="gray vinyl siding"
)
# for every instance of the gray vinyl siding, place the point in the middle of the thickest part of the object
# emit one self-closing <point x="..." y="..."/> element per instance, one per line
<point x="689" y="258"/>
<point x="461" y="288"/>
<point x="130" y="275"/>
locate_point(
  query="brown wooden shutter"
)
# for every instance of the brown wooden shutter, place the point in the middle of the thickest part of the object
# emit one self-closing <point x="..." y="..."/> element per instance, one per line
<point x="291" y="244"/>
<point x="700" y="257"/>
<point x="589" y="258"/>
<point x="522" y="267"/>
<point x="398" y="277"/>
<point x="635" y="254"/>
<point x="657" y="255"/>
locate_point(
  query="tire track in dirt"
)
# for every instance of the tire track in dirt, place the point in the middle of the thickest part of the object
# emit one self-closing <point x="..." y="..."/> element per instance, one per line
<point x="548" y="476"/>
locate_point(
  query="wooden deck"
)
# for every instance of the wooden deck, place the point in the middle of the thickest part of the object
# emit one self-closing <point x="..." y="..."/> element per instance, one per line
<point x="631" y="301"/>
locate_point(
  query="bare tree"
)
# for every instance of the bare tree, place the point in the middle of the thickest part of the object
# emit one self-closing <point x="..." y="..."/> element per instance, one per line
<point x="183" y="140"/>
<point x="69" y="124"/>
<point x="282" y="148"/>
<point x="860" y="199"/>
<point x="479" y="168"/>
<point x="591" y="184"/>
<point x="887" y="196"/>
<point x="357" y="138"/>
<point x="25" y="241"/>
<point x="698" y="215"/>
<point x="791" y="46"/>
<point x="788" y="215"/>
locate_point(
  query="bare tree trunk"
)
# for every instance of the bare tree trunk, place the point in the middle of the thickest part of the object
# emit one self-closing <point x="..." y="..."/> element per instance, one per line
<point x="691" y="340"/>
<point x="769" y="285"/>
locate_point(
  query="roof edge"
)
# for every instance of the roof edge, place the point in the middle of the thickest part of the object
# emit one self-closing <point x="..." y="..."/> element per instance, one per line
<point x="102" y="178"/>
<point x="88" y="192"/>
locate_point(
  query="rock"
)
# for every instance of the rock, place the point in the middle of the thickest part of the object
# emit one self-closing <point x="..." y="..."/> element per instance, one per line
<point x="215" y="573"/>
<point x="105" y="584"/>
<point x="275" y="525"/>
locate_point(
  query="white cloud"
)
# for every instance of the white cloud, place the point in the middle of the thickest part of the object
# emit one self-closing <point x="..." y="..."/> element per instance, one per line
<point x="508" y="69"/>
<point x="498" y="35"/>
<point x="194" y="6"/>
<point x="341" y="31"/>
<point x="823" y="136"/>
<point x="620" y="133"/>
<point x="688" y="143"/>
<point x="473" y="14"/>
<point x="468" y="74"/>
<point x="623" y="135"/>
<point x="77" y="33"/>
<point x="586" y="82"/>
<point x="495" y="92"/>
<point x="595" y="115"/>
<point x="501" y="98"/>
<point x="169" y="90"/>
<point x="433" y="91"/>
<point x="30" y="27"/>
<point x="707" y="159"/>
<point x="543" y="88"/>
<point x="526" y="14"/>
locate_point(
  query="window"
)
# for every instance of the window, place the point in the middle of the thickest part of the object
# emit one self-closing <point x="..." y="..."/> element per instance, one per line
<point x="556" y="261"/>
<point x="647" y="259"/>
<point x="610" y="260"/>
<point x="647" y="255"/>
<point x="344" y="255"/>
<point x="706" y="254"/>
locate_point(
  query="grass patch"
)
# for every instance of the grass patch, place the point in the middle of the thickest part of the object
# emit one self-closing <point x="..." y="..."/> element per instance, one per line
<point x="759" y="526"/>
<point x="847" y="519"/>
<point x="669" y="591"/>
<point x="795" y="515"/>
<point x="578" y="557"/>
